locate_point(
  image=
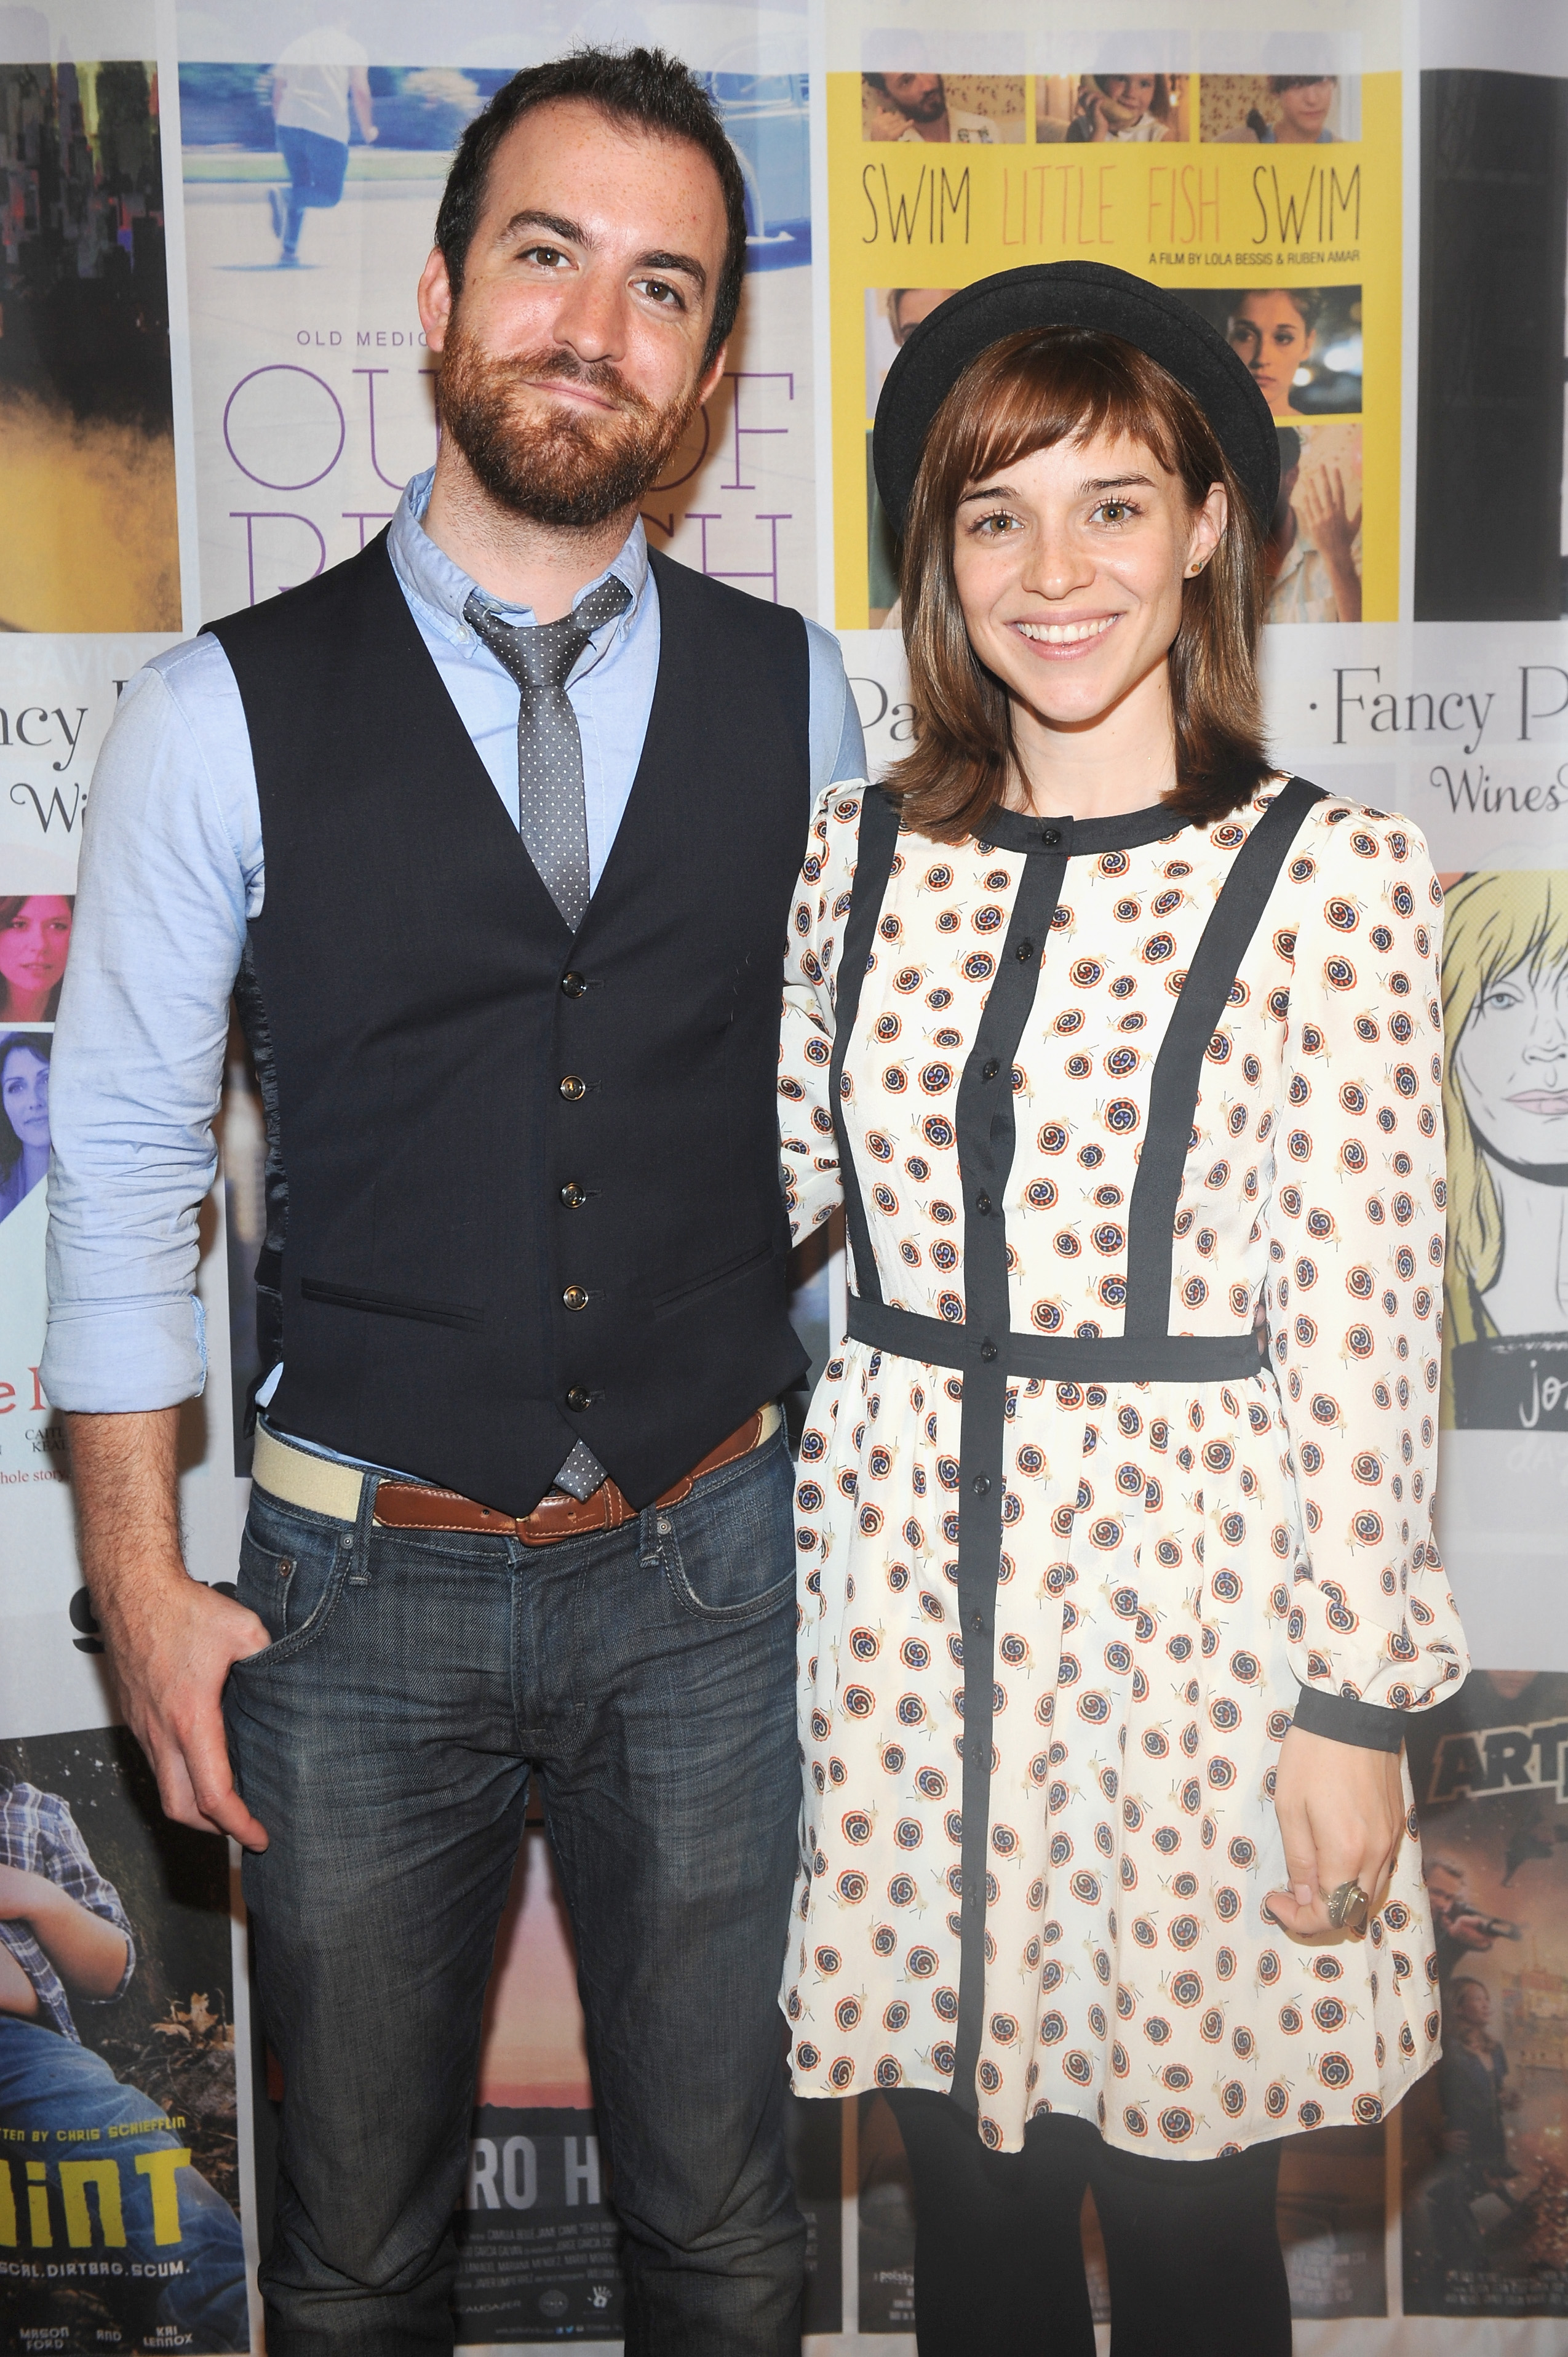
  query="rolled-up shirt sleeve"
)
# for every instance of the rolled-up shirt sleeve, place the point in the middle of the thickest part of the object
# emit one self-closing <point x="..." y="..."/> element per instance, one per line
<point x="171" y="870"/>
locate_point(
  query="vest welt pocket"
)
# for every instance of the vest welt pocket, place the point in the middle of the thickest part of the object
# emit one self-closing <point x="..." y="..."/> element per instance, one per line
<point x="389" y="1305"/>
<point x="711" y="1280"/>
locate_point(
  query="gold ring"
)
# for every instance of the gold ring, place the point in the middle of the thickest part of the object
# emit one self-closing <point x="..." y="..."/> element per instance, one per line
<point x="1347" y="1908"/>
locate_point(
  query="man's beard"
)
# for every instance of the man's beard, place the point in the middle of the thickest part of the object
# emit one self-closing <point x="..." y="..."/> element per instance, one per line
<point x="570" y="467"/>
<point x="930" y="109"/>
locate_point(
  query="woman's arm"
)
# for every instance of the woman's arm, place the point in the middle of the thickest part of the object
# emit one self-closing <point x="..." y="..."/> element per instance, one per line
<point x="1356" y="1228"/>
<point x="808" y="1147"/>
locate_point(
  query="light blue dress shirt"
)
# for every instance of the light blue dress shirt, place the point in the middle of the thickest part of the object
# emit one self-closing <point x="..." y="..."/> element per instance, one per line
<point x="173" y="870"/>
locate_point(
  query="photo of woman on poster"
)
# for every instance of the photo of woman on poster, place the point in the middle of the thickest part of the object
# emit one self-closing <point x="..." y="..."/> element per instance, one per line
<point x="34" y="938"/>
<point x="1295" y="113"/>
<point x="1505" y="999"/>
<point x="1312" y="559"/>
<point x="23" y="1115"/>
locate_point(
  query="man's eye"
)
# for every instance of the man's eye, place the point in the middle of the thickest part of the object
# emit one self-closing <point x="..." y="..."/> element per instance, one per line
<point x="658" y="290"/>
<point x="548" y="255"/>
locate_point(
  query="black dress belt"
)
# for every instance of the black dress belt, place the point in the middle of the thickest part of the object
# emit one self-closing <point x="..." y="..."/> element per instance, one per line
<point x="1064" y="1357"/>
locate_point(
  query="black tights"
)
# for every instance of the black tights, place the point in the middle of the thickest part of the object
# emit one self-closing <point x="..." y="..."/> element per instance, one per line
<point x="1193" y="2252"/>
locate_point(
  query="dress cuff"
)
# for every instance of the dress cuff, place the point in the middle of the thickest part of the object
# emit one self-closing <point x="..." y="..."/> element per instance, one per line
<point x="1343" y="1720"/>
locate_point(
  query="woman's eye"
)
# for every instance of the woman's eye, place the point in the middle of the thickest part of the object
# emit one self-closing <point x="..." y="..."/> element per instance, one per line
<point x="1115" y="511"/>
<point x="994" y="525"/>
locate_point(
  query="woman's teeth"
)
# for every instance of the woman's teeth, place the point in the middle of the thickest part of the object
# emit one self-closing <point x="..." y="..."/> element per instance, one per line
<point x="1067" y="634"/>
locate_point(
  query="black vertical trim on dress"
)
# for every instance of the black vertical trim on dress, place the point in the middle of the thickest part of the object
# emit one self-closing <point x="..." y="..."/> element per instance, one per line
<point x="877" y="843"/>
<point x="987" y="1140"/>
<point x="1177" y="1076"/>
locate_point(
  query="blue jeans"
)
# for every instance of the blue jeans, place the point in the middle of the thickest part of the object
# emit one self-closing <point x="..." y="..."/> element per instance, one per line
<point x="192" y="2281"/>
<point x="385" y="1740"/>
<point x="316" y="169"/>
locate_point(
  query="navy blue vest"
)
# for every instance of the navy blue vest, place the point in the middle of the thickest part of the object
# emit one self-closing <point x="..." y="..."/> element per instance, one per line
<point x="522" y="1187"/>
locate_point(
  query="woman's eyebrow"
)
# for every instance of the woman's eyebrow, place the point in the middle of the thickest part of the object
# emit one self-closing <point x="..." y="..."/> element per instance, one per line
<point x="1094" y="483"/>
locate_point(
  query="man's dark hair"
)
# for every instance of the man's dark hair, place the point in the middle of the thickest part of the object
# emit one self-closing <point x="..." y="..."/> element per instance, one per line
<point x="644" y="87"/>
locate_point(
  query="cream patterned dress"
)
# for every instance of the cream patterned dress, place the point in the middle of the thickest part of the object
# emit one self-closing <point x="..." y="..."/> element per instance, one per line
<point x="1050" y="1493"/>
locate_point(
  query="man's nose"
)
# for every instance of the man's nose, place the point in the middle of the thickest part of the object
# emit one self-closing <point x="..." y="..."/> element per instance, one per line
<point x="591" y="318"/>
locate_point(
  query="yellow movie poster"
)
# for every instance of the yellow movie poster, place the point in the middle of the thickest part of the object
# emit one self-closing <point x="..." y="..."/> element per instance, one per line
<point x="1271" y="201"/>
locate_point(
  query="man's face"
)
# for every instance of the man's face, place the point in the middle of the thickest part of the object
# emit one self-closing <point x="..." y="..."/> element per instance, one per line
<point x="573" y="359"/>
<point x="915" y="304"/>
<point x="1444" y="1890"/>
<point x="919" y="96"/>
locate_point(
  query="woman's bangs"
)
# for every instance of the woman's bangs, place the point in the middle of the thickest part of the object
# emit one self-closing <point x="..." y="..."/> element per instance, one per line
<point x="1034" y="395"/>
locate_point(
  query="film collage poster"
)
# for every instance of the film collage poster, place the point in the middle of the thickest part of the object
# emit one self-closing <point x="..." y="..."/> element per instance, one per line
<point x="212" y="385"/>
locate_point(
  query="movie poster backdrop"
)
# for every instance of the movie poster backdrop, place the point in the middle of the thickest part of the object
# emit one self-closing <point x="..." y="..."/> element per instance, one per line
<point x="212" y="385"/>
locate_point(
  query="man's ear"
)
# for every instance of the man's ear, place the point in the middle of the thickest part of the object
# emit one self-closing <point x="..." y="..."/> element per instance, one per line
<point x="712" y="375"/>
<point x="435" y="300"/>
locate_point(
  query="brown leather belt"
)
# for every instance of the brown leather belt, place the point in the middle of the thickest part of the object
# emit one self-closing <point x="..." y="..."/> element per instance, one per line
<point x="417" y="1506"/>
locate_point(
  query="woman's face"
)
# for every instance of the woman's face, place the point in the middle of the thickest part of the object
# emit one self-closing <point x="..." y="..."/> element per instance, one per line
<point x="33" y="948"/>
<point x="1475" y="2006"/>
<point x="1511" y="1061"/>
<point x="24" y="1094"/>
<point x="1272" y="337"/>
<point x="1304" y="110"/>
<point x="1069" y="566"/>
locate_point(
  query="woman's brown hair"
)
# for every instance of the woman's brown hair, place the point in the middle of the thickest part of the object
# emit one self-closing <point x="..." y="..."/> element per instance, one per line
<point x="1024" y="394"/>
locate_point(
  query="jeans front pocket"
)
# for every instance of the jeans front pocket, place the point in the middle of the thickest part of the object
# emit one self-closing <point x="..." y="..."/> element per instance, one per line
<point x="729" y="1550"/>
<point x="293" y="1566"/>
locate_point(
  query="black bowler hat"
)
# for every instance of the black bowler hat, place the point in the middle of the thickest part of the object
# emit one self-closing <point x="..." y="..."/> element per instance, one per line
<point x="1071" y="295"/>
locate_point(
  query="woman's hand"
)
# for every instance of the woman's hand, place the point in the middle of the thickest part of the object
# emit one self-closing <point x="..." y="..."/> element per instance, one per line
<point x="1341" y="1813"/>
<point x="1324" y="507"/>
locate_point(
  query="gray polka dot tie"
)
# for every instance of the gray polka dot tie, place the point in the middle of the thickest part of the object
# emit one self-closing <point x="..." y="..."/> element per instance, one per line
<point x="552" y="817"/>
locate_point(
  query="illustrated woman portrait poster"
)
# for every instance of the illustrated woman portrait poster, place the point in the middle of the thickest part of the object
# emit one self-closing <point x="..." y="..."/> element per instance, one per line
<point x="1505" y="999"/>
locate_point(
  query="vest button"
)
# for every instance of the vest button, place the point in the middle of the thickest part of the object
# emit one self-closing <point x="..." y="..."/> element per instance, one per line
<point x="573" y="1196"/>
<point x="574" y="1298"/>
<point x="578" y="1399"/>
<point x="1024" y="952"/>
<point x="573" y="1088"/>
<point x="572" y="985"/>
<point x="1050" y="836"/>
<point x="982" y="1202"/>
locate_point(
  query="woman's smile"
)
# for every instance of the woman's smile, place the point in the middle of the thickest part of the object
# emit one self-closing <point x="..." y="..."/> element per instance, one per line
<point x="1078" y="636"/>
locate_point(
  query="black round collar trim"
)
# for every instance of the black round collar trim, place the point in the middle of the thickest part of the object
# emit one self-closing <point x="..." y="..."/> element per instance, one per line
<point x="1027" y="831"/>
